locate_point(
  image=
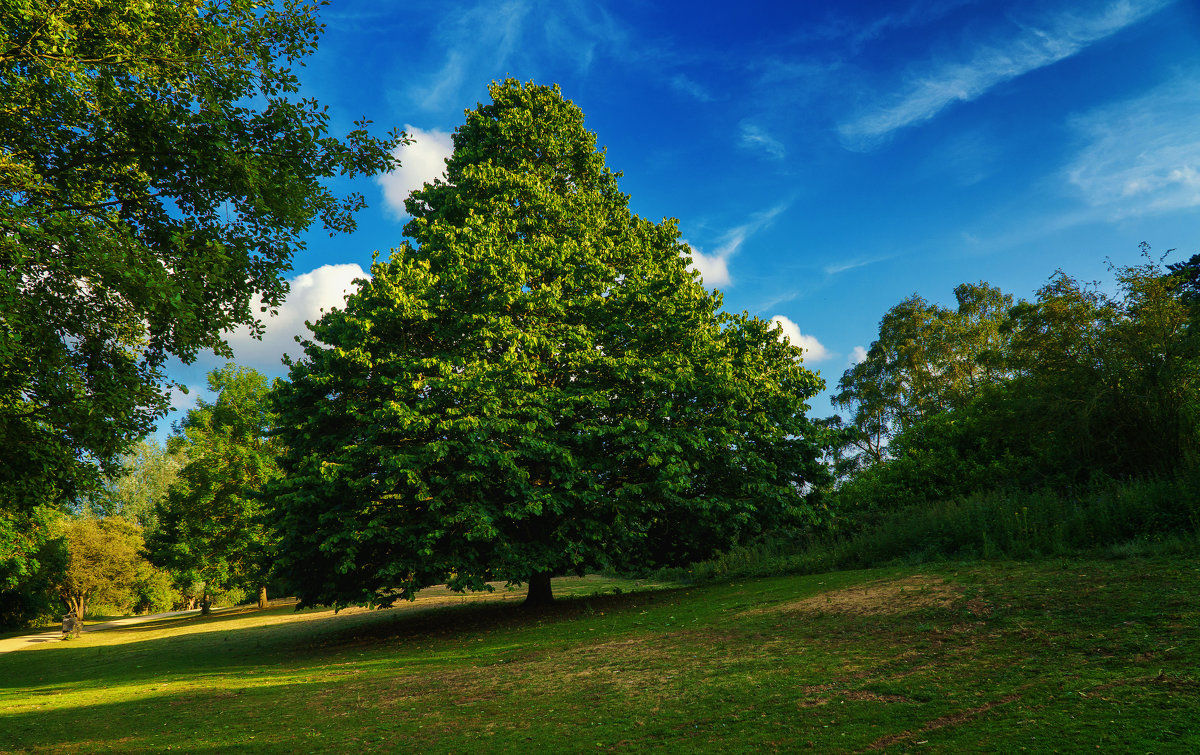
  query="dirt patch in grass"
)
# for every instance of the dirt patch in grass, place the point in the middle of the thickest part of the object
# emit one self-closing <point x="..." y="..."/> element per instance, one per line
<point x="886" y="598"/>
<point x="941" y="723"/>
<point x="855" y="695"/>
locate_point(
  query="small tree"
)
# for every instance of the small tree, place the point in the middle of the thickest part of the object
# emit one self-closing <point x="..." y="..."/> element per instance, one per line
<point x="103" y="562"/>
<point x="534" y="385"/>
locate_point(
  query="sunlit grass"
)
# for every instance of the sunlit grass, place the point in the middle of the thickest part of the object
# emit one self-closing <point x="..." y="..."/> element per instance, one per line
<point x="1063" y="655"/>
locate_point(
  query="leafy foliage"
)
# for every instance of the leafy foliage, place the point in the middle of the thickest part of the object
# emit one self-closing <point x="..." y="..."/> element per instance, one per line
<point x="212" y="523"/>
<point x="156" y="172"/>
<point x="535" y="384"/>
<point x="104" y="562"/>
<point x="927" y="359"/>
<point x="32" y="553"/>
<point x="146" y="475"/>
<point x="1086" y="385"/>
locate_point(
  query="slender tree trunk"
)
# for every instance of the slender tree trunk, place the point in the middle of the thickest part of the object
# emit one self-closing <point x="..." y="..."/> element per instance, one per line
<point x="205" y="603"/>
<point x="539" y="590"/>
<point x="262" y="596"/>
<point x="76" y="605"/>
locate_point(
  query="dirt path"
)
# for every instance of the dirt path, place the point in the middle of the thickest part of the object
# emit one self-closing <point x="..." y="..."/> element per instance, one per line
<point x="19" y="643"/>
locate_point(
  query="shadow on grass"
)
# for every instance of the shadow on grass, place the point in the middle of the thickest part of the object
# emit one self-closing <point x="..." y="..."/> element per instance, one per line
<point x="209" y="646"/>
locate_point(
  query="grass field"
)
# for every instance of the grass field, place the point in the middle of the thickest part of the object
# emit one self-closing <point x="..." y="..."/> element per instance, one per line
<point x="1063" y="655"/>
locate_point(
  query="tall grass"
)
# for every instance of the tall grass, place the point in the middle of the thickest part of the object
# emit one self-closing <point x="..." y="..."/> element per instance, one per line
<point x="1115" y="519"/>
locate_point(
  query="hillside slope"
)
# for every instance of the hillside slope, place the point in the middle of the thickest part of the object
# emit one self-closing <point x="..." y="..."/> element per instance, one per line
<point x="1053" y="656"/>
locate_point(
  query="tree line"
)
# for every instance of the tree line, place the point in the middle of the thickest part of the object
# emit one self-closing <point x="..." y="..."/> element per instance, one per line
<point x="1076" y="385"/>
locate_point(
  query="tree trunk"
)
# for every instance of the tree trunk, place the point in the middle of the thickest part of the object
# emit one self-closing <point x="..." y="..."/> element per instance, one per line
<point x="539" y="590"/>
<point x="205" y="603"/>
<point x="77" y="605"/>
<point x="262" y="597"/>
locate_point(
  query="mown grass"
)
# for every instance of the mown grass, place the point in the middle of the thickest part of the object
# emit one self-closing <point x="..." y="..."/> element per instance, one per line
<point x="1063" y="655"/>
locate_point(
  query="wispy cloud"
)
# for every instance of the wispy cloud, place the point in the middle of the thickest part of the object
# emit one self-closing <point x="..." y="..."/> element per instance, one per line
<point x="814" y="351"/>
<point x="420" y="162"/>
<point x="858" y="355"/>
<point x="489" y="40"/>
<point x="837" y="25"/>
<point x="842" y="266"/>
<point x="691" y="88"/>
<point x="931" y="87"/>
<point x="714" y="266"/>
<point x="483" y="36"/>
<point x="1141" y="155"/>
<point x="754" y="136"/>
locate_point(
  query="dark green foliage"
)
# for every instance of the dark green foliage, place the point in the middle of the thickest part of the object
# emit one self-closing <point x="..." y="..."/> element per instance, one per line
<point x="1087" y="384"/>
<point x="212" y="523"/>
<point x="535" y="384"/>
<point x="1158" y="516"/>
<point x="32" y="554"/>
<point x="157" y="171"/>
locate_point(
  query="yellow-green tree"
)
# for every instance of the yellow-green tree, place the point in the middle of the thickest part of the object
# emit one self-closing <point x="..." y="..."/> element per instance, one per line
<point x="103" y="563"/>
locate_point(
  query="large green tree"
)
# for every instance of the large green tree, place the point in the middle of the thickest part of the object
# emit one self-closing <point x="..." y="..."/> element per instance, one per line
<point x="212" y="526"/>
<point x="534" y="384"/>
<point x="157" y="170"/>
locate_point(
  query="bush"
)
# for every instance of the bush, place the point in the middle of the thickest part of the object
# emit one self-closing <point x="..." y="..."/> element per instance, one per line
<point x="1108" y="518"/>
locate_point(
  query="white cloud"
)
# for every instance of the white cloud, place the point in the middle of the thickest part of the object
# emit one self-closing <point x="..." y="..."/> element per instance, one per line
<point x="420" y="163"/>
<point x="934" y="86"/>
<point x="182" y="402"/>
<point x="858" y="355"/>
<point x="813" y="350"/>
<point x="322" y="289"/>
<point x="756" y="137"/>
<point x="490" y="39"/>
<point x="834" y="268"/>
<point x="714" y="267"/>
<point x="1141" y="155"/>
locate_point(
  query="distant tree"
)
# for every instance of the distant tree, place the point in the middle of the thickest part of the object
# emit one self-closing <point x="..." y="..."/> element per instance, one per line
<point x="103" y="562"/>
<point x="212" y="524"/>
<point x="1086" y="384"/>
<point x="926" y="360"/>
<point x="534" y="385"/>
<point x="146" y="475"/>
<point x="157" y="172"/>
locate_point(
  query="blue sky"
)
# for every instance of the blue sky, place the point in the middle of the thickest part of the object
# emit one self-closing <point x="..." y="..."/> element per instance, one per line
<point x="824" y="160"/>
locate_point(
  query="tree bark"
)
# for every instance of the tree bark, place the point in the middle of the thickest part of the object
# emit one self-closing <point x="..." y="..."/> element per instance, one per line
<point x="539" y="590"/>
<point x="262" y="597"/>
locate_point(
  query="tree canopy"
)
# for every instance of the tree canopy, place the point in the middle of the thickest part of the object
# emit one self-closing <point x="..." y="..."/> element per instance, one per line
<point x="1075" y="384"/>
<point x="533" y="384"/>
<point x="157" y="170"/>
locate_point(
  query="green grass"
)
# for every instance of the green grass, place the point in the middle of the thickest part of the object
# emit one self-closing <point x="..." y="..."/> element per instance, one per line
<point x="1061" y="655"/>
